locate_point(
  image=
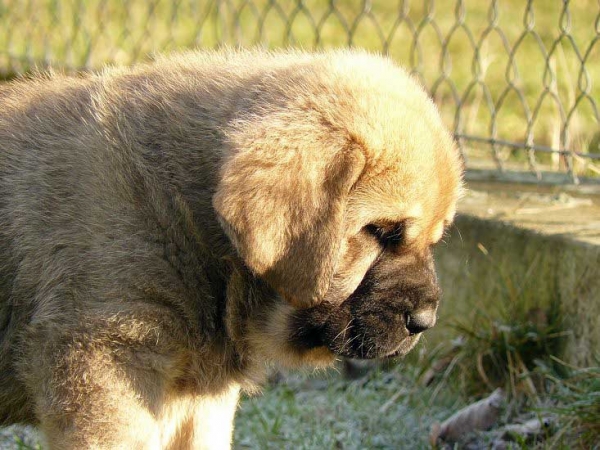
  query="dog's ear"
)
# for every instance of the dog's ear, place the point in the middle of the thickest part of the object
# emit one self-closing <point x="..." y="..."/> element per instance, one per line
<point x="281" y="198"/>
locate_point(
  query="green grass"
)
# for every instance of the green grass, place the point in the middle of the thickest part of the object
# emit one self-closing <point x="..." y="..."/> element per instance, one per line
<point x="385" y="409"/>
<point x="513" y="325"/>
<point x="578" y="408"/>
<point x="19" y="438"/>
<point x="391" y="408"/>
<point x="516" y="102"/>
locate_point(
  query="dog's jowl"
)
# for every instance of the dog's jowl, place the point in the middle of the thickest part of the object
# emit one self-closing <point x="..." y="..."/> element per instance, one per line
<point x="168" y="230"/>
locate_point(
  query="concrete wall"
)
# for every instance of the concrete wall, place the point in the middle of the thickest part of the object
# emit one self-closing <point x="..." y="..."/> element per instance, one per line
<point x="488" y="264"/>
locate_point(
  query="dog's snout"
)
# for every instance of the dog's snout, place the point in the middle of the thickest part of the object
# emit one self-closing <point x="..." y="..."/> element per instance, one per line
<point x="419" y="321"/>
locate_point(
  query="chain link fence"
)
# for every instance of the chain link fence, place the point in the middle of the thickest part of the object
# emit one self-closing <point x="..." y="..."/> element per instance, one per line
<point x="516" y="80"/>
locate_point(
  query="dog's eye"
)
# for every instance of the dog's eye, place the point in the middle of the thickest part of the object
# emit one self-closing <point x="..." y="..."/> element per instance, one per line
<point x="387" y="235"/>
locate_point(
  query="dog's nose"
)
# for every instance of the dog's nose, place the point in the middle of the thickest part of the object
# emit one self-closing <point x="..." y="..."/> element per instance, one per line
<point x="419" y="321"/>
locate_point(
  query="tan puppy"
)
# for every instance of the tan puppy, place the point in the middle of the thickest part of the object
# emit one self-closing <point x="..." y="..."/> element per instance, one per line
<point x="167" y="230"/>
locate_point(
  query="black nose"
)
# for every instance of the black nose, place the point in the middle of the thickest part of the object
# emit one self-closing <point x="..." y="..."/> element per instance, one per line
<point x="419" y="321"/>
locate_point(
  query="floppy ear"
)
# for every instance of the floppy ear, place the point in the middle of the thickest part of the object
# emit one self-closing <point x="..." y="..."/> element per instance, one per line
<point x="281" y="198"/>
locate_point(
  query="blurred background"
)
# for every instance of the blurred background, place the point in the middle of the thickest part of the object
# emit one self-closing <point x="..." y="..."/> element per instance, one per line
<point x="514" y="78"/>
<point x="518" y="83"/>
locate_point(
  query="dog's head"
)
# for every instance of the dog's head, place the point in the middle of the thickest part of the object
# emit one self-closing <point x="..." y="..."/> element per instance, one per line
<point x="338" y="181"/>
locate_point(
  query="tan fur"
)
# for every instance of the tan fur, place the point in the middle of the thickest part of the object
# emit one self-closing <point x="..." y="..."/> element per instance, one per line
<point x="169" y="230"/>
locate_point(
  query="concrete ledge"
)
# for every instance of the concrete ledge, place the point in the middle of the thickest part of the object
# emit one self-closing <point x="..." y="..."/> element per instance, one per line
<point x="548" y="257"/>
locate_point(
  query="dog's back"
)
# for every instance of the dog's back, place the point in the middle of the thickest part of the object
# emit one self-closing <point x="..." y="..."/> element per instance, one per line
<point x="42" y="126"/>
<point x="92" y="173"/>
<point x="86" y="211"/>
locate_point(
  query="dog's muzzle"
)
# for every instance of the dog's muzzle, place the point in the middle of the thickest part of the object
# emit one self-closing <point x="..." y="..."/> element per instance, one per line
<point x="394" y="304"/>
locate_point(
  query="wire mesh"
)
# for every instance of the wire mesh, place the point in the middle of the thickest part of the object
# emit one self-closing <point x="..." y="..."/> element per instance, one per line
<point x="514" y="79"/>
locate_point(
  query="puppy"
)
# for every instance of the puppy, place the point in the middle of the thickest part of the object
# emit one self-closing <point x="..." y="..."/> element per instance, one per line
<point x="168" y="230"/>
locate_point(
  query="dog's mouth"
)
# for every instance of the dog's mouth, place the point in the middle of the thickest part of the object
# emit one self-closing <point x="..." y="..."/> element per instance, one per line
<point x="350" y="330"/>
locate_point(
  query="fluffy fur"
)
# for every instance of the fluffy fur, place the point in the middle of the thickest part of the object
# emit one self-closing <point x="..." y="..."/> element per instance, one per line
<point x="169" y="229"/>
